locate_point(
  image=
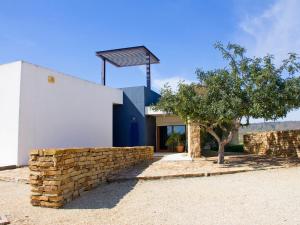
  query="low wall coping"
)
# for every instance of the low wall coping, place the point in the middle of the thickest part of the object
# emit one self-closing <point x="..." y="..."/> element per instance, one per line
<point x="60" y="151"/>
<point x="272" y="131"/>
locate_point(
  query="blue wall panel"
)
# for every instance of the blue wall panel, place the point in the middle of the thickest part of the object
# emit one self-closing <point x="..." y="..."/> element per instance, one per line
<point x="130" y="125"/>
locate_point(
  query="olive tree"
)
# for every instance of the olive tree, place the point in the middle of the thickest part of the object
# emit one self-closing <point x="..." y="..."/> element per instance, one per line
<point x="226" y="98"/>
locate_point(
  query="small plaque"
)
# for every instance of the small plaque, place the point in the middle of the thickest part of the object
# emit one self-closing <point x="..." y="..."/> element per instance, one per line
<point x="51" y="79"/>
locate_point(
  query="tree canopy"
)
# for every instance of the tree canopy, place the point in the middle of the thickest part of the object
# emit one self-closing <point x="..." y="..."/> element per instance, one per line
<point x="226" y="98"/>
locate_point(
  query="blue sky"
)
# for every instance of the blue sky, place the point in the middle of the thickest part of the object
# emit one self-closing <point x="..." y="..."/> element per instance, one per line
<point x="64" y="35"/>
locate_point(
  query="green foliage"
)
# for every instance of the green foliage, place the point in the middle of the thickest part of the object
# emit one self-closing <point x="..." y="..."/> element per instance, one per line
<point x="176" y="139"/>
<point x="246" y="88"/>
<point x="249" y="87"/>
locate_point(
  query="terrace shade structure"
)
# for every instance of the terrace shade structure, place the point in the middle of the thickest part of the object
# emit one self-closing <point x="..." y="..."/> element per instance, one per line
<point x="124" y="57"/>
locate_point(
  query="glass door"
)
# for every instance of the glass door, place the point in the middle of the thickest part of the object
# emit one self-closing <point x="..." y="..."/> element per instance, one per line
<point x="165" y="132"/>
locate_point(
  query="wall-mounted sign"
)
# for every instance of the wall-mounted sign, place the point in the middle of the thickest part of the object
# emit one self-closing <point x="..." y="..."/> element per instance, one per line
<point x="51" y="79"/>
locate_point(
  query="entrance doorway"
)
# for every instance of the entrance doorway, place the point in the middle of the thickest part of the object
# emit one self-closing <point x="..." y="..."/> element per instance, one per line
<point x="164" y="133"/>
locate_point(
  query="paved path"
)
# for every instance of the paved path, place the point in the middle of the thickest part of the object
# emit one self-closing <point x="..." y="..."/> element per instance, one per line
<point x="263" y="197"/>
<point x="166" y="168"/>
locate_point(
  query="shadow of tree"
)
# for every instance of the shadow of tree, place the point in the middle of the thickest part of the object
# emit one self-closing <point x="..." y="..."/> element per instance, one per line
<point x="210" y="153"/>
<point x="260" y="162"/>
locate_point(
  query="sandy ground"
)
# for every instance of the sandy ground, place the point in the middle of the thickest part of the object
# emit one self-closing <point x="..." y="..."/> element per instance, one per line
<point x="15" y="175"/>
<point x="262" y="197"/>
<point x="234" y="163"/>
<point x="167" y="166"/>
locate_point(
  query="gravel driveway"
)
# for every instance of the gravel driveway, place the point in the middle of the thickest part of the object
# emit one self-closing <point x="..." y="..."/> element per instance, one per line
<point x="263" y="197"/>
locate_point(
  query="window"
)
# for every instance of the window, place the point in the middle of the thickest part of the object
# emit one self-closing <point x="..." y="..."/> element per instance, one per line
<point x="164" y="132"/>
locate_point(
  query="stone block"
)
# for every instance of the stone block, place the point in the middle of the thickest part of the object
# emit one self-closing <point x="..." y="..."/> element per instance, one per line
<point x="60" y="175"/>
<point x="39" y="197"/>
<point x="275" y="143"/>
<point x="51" y="204"/>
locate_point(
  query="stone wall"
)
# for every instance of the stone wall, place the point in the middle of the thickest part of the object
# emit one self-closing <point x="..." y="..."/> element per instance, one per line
<point x="194" y="141"/>
<point x="276" y="143"/>
<point x="59" y="175"/>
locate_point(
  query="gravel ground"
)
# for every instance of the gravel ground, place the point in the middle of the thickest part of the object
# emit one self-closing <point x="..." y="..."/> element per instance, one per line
<point x="15" y="175"/>
<point x="233" y="163"/>
<point x="162" y="167"/>
<point x="262" y="197"/>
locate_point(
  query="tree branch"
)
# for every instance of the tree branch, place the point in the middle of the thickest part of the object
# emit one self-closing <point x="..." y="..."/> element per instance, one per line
<point x="213" y="133"/>
<point x="229" y="138"/>
<point x="223" y="128"/>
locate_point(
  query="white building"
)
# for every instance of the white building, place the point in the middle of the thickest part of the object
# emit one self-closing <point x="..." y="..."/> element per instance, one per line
<point x="41" y="108"/>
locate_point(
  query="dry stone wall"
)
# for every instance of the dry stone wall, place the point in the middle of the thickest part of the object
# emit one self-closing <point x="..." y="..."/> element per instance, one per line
<point x="194" y="141"/>
<point x="59" y="175"/>
<point x="276" y="143"/>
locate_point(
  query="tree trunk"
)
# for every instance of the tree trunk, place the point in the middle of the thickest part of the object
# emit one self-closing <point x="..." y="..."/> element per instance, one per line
<point x="221" y="153"/>
<point x="221" y="141"/>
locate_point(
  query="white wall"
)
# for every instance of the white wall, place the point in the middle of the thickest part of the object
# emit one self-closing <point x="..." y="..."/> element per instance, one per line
<point x="68" y="113"/>
<point x="9" y="112"/>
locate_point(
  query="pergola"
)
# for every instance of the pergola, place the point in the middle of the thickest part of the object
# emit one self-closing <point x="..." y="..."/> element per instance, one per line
<point x="132" y="56"/>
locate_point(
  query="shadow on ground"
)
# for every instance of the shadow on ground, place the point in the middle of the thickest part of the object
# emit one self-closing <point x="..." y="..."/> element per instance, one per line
<point x="236" y="160"/>
<point x="107" y="195"/>
<point x="104" y="196"/>
<point x="209" y="153"/>
<point x="261" y="162"/>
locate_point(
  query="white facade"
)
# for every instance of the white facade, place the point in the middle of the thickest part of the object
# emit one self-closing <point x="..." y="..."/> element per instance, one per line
<point x="10" y="78"/>
<point x="41" y="108"/>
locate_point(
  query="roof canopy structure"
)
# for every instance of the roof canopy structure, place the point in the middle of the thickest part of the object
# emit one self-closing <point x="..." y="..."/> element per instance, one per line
<point x="132" y="56"/>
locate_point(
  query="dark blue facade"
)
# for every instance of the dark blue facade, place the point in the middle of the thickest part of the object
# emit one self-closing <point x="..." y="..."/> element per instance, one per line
<point x="131" y="127"/>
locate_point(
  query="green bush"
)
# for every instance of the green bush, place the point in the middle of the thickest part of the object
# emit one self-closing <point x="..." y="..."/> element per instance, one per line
<point x="231" y="148"/>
